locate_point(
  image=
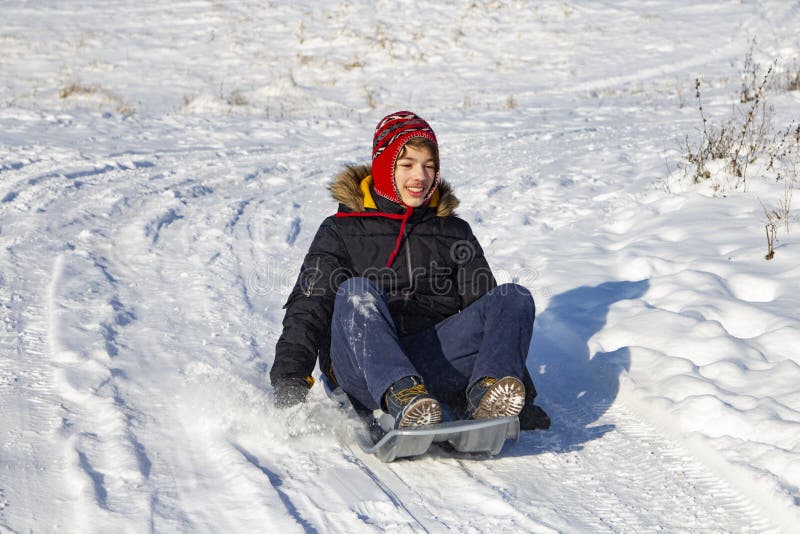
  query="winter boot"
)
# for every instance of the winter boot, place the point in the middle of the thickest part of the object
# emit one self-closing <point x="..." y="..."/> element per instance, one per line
<point x="408" y="401"/>
<point x="490" y="397"/>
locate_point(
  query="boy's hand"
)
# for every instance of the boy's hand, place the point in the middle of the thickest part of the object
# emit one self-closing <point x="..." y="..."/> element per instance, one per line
<point x="290" y="391"/>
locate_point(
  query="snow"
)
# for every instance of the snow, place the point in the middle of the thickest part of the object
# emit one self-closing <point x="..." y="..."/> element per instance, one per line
<point x="163" y="171"/>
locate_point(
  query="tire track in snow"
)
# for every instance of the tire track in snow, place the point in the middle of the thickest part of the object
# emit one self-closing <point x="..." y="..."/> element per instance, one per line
<point x="32" y="476"/>
<point x="64" y="465"/>
<point x="103" y="466"/>
<point x="100" y="425"/>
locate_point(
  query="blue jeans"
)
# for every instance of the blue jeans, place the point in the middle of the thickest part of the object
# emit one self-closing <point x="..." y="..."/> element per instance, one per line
<point x="491" y="337"/>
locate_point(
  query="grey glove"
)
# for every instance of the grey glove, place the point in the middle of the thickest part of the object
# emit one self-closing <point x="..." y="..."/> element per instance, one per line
<point x="290" y="391"/>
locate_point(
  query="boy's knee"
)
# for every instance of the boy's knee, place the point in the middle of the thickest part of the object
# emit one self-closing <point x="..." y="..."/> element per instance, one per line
<point x="356" y="286"/>
<point x="515" y="295"/>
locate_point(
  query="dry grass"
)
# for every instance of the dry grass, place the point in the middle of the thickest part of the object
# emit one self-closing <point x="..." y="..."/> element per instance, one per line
<point x="237" y="98"/>
<point x="787" y="76"/>
<point x="742" y="138"/>
<point x="354" y="64"/>
<point x="80" y="90"/>
<point x="791" y="77"/>
<point x="371" y="98"/>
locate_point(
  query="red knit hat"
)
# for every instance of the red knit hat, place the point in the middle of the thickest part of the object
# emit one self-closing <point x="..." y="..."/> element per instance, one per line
<point x="391" y="135"/>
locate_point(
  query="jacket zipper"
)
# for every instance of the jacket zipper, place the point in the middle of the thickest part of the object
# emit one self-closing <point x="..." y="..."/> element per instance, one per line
<point x="311" y="286"/>
<point x="408" y="261"/>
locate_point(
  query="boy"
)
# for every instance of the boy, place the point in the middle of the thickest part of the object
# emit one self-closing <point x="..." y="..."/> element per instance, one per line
<point x="397" y="301"/>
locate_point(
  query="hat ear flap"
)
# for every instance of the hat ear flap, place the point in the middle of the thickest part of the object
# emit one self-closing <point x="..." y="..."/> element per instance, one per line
<point x="434" y="186"/>
<point x="391" y="135"/>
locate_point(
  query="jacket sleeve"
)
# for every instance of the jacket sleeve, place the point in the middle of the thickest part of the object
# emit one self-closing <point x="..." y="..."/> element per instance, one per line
<point x="307" y="323"/>
<point x="474" y="276"/>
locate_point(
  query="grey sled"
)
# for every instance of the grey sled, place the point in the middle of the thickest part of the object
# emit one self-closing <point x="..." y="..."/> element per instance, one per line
<point x="475" y="436"/>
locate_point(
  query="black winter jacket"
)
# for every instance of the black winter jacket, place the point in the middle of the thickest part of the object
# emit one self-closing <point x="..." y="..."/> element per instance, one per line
<point x="438" y="269"/>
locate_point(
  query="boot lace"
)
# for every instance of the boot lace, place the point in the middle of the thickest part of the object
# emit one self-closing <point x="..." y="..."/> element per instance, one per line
<point x="404" y="396"/>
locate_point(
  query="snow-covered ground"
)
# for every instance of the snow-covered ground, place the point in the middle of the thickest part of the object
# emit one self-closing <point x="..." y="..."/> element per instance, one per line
<point x="163" y="170"/>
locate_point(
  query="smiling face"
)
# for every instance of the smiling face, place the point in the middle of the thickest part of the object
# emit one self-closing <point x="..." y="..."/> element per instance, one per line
<point x="414" y="174"/>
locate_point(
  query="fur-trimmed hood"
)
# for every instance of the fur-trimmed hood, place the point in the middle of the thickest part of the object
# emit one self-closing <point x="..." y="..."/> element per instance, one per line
<point x="346" y="188"/>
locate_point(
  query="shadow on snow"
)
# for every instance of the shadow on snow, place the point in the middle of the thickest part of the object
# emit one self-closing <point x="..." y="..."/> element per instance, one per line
<point x="575" y="386"/>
